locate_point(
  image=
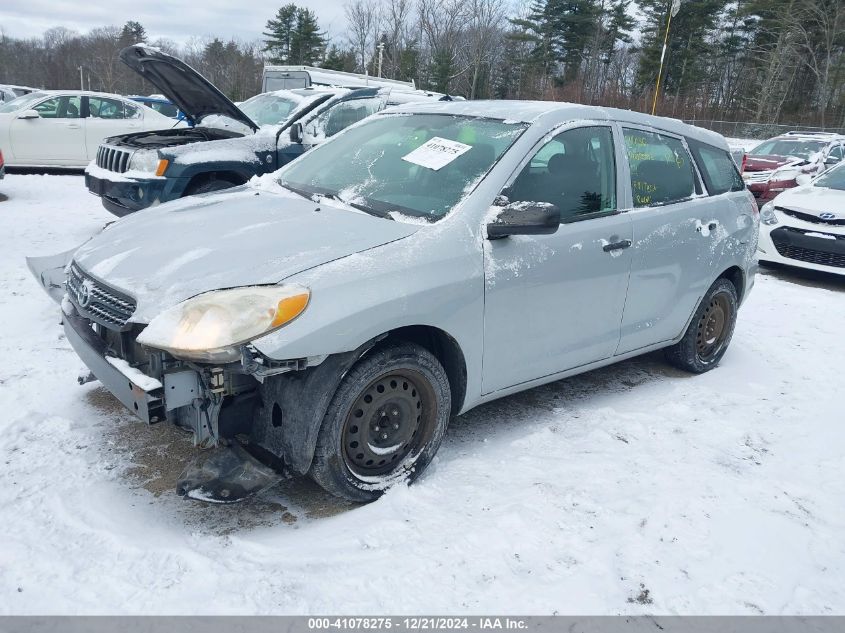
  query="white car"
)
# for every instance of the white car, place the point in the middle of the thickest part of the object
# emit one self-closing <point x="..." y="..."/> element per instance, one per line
<point x="64" y="128"/>
<point x="805" y="226"/>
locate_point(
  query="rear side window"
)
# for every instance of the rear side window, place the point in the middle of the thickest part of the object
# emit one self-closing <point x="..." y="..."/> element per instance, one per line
<point x="717" y="168"/>
<point x="661" y="169"/>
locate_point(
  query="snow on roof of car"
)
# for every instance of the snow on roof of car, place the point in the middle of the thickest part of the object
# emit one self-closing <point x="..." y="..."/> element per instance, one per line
<point x="531" y="111"/>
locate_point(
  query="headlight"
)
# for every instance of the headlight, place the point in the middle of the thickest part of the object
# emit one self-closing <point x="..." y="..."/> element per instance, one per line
<point x="148" y="161"/>
<point x="767" y="214"/>
<point x="212" y="326"/>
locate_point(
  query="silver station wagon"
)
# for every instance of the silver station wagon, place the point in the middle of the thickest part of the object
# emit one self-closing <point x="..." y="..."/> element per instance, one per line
<point x="332" y="316"/>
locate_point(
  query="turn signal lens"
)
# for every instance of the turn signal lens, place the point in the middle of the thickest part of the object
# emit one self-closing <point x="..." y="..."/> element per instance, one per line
<point x="162" y="167"/>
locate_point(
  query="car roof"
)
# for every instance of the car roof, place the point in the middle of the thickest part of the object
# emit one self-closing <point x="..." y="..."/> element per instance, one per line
<point x="822" y="137"/>
<point x="534" y="111"/>
<point x="82" y="93"/>
<point x="143" y="99"/>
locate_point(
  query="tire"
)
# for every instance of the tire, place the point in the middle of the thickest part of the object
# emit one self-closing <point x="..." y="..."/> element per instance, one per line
<point x="396" y="397"/>
<point x="208" y="186"/>
<point x="710" y="331"/>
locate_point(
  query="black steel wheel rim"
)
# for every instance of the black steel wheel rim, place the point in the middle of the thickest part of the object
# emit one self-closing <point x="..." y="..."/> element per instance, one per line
<point x="713" y="327"/>
<point x="391" y="418"/>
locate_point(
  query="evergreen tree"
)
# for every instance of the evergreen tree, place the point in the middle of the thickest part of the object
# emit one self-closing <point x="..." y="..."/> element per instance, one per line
<point x="132" y="33"/>
<point x="340" y="59"/>
<point x="280" y="34"/>
<point x="691" y="37"/>
<point x="307" y="43"/>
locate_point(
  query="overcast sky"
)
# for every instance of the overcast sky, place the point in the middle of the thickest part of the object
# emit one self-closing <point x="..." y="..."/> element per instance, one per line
<point x="175" y="19"/>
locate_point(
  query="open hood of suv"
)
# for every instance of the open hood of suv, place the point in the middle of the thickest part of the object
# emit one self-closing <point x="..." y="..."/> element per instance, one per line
<point x="191" y="92"/>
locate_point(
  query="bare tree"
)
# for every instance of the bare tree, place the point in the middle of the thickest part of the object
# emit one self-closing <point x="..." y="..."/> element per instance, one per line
<point x="363" y="20"/>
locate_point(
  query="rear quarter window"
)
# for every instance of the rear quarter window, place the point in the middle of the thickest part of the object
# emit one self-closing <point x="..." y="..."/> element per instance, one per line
<point x="717" y="167"/>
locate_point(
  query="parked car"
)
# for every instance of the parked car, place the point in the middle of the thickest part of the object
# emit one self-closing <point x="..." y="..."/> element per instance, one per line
<point x="291" y="77"/>
<point x="64" y="128"/>
<point x="805" y="226"/>
<point x="2" y="166"/>
<point x="136" y="171"/>
<point x="9" y="92"/>
<point x="424" y="261"/>
<point x="161" y="105"/>
<point x="6" y="94"/>
<point x="780" y="163"/>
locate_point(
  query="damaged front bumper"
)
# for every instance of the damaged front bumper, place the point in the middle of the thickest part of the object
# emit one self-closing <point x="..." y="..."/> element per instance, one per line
<point x="127" y="195"/>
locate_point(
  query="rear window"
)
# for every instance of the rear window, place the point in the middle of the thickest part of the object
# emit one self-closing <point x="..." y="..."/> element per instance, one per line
<point x="717" y="168"/>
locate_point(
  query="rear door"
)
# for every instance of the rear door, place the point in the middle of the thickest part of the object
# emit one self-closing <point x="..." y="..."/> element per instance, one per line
<point x="108" y="117"/>
<point x="675" y="228"/>
<point x="57" y="137"/>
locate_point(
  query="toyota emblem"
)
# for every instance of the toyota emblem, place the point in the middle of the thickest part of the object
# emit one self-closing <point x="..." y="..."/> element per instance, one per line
<point x="83" y="294"/>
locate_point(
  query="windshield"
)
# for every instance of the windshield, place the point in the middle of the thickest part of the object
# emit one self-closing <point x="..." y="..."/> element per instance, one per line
<point x="800" y="148"/>
<point x="21" y="103"/>
<point x="268" y="109"/>
<point x="420" y="165"/>
<point x="834" y="179"/>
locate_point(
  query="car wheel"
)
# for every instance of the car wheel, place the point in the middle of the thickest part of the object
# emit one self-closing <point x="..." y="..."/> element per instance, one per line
<point x="710" y="331"/>
<point x="209" y="186"/>
<point x="384" y="424"/>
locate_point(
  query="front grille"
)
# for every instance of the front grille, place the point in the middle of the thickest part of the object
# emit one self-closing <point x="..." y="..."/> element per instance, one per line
<point x="113" y="159"/>
<point x="796" y="244"/>
<point x="809" y="217"/>
<point x="756" y="177"/>
<point x="103" y="304"/>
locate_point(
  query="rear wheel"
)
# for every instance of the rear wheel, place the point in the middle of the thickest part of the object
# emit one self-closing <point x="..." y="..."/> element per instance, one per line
<point x="710" y="332"/>
<point x="384" y="424"/>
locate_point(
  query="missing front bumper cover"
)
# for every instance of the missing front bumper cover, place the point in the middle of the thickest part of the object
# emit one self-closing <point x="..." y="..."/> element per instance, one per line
<point x="225" y="475"/>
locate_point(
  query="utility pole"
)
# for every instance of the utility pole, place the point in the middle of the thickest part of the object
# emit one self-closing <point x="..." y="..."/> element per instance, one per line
<point x="380" y="56"/>
<point x="81" y="80"/>
<point x="674" y="7"/>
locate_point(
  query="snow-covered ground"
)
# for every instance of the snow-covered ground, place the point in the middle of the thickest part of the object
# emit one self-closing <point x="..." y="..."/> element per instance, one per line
<point x="633" y="489"/>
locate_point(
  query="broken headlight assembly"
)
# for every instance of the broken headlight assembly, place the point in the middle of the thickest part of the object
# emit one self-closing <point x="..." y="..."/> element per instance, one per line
<point x="212" y="326"/>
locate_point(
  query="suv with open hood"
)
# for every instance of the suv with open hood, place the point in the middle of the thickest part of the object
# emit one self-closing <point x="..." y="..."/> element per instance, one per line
<point x="225" y="146"/>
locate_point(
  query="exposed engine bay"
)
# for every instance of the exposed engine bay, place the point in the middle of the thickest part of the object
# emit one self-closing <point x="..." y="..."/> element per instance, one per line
<point x="158" y="139"/>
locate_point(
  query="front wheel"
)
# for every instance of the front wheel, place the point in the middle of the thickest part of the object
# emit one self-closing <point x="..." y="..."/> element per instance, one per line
<point x="384" y="424"/>
<point x="710" y="332"/>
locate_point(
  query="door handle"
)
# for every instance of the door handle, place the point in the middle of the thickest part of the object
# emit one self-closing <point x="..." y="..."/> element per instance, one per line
<point x="615" y="246"/>
<point x="73" y="126"/>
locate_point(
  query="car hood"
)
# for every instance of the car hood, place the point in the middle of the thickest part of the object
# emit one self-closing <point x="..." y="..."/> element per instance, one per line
<point x="192" y="93"/>
<point x="243" y="236"/>
<point x="814" y="201"/>
<point x="764" y="162"/>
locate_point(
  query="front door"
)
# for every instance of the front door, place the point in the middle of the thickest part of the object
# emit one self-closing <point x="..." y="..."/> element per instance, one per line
<point x="56" y="137"/>
<point x="555" y="302"/>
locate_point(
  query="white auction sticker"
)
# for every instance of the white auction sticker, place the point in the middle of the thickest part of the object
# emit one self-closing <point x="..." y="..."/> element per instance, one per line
<point x="436" y="153"/>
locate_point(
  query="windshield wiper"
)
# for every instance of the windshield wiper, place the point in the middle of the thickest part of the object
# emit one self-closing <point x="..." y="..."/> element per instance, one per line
<point x="308" y="195"/>
<point x="357" y="205"/>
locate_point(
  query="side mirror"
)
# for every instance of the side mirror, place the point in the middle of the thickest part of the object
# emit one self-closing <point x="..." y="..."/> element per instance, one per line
<point x="525" y="218"/>
<point x="29" y="114"/>
<point x="296" y="132"/>
<point x="803" y="179"/>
